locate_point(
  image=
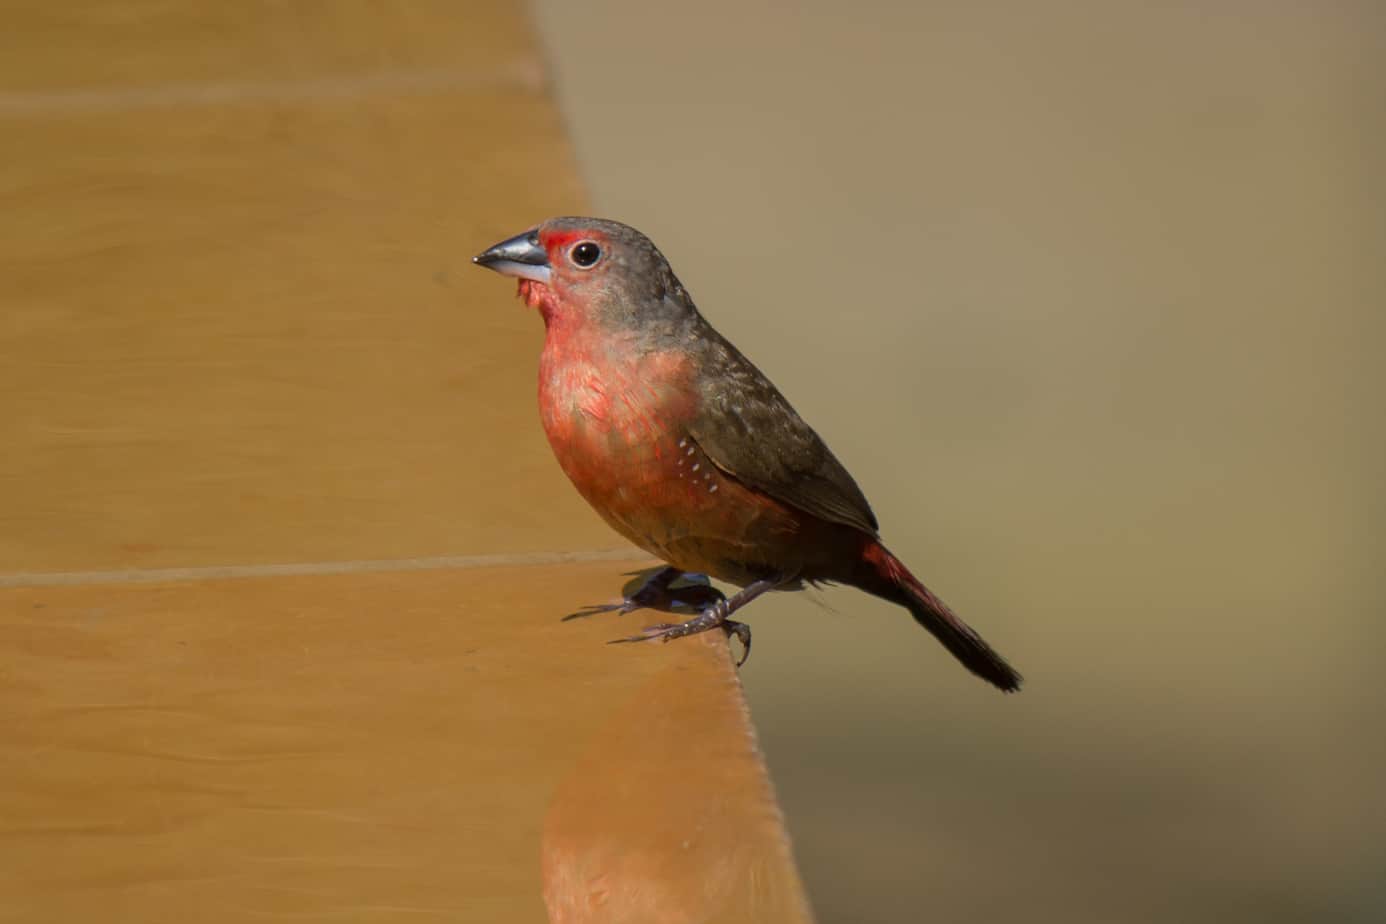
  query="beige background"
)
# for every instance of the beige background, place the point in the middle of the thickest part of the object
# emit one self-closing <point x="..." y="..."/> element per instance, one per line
<point x="1088" y="296"/>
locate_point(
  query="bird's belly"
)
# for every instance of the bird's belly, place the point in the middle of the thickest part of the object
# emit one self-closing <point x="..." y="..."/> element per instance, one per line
<point x="623" y="446"/>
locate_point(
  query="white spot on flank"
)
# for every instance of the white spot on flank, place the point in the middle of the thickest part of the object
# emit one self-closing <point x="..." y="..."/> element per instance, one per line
<point x="696" y="466"/>
<point x="711" y="489"/>
<point x="689" y="452"/>
<point x="683" y="442"/>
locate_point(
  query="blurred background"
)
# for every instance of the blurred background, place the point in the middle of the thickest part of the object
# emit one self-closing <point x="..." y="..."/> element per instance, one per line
<point x="1089" y="298"/>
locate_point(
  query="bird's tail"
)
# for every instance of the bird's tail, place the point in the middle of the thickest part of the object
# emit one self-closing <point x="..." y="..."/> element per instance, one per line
<point x="882" y="574"/>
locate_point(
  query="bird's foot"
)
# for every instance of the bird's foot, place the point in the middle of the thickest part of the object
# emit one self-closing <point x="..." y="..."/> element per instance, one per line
<point x="657" y="593"/>
<point x="666" y="631"/>
<point x="713" y="617"/>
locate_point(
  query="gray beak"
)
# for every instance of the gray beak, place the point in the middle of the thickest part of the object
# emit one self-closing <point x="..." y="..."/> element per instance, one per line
<point x="520" y="256"/>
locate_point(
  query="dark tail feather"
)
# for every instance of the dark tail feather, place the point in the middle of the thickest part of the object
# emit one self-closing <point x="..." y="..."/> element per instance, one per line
<point x="882" y="574"/>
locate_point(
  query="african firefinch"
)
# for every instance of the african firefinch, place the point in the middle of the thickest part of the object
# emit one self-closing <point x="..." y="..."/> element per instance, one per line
<point x="686" y="449"/>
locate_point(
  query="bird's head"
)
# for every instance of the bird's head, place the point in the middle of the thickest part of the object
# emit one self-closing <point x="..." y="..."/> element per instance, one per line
<point x="589" y="270"/>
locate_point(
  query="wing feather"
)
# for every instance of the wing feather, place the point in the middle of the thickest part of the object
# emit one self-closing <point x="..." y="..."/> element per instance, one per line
<point x="751" y="432"/>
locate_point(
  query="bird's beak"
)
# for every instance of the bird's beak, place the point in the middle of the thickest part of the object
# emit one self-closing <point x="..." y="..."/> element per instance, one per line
<point x="521" y="255"/>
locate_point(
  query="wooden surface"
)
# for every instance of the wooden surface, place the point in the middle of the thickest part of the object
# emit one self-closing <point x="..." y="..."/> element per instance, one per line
<point x="282" y="550"/>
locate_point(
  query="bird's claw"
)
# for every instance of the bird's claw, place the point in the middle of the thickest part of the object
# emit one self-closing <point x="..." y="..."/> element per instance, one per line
<point x="742" y="632"/>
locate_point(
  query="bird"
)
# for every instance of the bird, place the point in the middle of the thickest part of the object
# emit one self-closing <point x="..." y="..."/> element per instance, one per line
<point x="684" y="447"/>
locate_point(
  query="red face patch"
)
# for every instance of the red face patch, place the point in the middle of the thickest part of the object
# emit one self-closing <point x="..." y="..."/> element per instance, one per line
<point x="557" y="245"/>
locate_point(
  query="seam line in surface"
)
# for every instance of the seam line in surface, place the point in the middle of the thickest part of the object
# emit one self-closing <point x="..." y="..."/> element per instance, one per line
<point x="295" y="569"/>
<point x="524" y="74"/>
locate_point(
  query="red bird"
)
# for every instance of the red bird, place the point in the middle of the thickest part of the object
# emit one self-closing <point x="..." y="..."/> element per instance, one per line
<point x="686" y="449"/>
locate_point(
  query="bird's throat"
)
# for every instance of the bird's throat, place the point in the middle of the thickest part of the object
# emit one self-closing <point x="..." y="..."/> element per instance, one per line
<point x="537" y="295"/>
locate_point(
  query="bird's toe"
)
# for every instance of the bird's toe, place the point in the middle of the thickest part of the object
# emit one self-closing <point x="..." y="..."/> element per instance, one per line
<point x="664" y="631"/>
<point x="596" y="608"/>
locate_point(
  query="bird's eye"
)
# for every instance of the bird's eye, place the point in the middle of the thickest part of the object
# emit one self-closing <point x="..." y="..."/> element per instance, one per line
<point x="586" y="254"/>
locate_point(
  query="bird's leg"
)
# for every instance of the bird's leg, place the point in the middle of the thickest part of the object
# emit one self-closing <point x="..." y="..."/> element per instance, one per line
<point x="657" y="594"/>
<point x="713" y="617"/>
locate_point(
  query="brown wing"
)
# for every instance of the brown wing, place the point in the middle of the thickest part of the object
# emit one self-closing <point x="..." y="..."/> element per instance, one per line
<point x="750" y="431"/>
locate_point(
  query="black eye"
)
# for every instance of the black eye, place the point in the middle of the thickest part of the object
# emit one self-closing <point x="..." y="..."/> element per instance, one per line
<point x="586" y="254"/>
